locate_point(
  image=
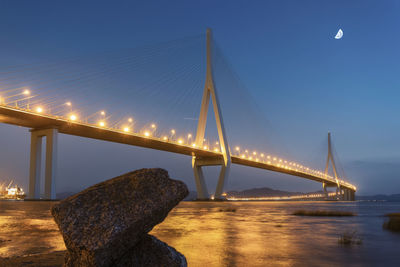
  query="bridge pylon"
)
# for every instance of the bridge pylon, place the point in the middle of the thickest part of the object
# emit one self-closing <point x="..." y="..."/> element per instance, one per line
<point x="331" y="159"/>
<point x="197" y="163"/>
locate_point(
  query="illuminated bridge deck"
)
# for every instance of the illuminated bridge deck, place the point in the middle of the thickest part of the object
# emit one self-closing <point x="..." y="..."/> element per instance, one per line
<point x="27" y="118"/>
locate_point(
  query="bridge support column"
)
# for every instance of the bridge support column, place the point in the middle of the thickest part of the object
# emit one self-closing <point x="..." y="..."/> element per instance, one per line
<point x="325" y="191"/>
<point x="344" y="194"/>
<point x="339" y="195"/>
<point x="349" y="198"/>
<point x="50" y="165"/>
<point x="349" y="195"/>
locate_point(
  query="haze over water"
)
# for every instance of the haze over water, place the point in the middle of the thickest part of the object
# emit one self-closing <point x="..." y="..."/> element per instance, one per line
<point x="256" y="234"/>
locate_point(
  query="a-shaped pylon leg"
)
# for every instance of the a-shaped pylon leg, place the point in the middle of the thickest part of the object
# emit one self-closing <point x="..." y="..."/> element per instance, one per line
<point x="201" y="187"/>
<point x="202" y="192"/>
<point x="223" y="177"/>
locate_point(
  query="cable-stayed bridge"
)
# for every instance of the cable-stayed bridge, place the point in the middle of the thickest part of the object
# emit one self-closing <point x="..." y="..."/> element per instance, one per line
<point x="47" y="117"/>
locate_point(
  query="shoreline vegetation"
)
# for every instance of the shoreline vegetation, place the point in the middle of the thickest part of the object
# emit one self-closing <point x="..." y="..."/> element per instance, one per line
<point x="350" y="238"/>
<point x="323" y="213"/>
<point x="393" y="223"/>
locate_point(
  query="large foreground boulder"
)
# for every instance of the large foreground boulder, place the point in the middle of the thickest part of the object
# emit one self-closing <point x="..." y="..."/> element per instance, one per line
<point x="150" y="251"/>
<point x="104" y="222"/>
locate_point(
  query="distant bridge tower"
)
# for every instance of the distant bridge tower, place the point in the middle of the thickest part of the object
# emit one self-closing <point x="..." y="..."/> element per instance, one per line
<point x="342" y="194"/>
<point x="198" y="163"/>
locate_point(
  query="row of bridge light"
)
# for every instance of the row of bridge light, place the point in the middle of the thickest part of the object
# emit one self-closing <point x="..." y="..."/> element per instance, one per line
<point x="305" y="196"/>
<point x="127" y="128"/>
<point x="280" y="163"/>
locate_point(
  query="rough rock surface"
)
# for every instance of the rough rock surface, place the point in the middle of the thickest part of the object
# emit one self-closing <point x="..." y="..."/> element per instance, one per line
<point x="100" y="224"/>
<point x="150" y="251"/>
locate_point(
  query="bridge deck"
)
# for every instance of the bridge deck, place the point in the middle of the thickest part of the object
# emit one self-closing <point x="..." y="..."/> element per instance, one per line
<point x="25" y="118"/>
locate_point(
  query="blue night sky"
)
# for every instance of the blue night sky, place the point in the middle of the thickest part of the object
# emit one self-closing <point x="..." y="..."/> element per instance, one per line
<point x="304" y="81"/>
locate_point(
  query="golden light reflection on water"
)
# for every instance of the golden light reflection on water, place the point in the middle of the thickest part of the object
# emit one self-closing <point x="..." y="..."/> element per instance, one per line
<point x="254" y="234"/>
<point x="216" y="236"/>
<point x="27" y="228"/>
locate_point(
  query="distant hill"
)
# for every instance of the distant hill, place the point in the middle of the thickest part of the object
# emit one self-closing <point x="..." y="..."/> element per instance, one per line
<point x="63" y="195"/>
<point x="192" y="196"/>
<point x="261" y="192"/>
<point x="389" y="198"/>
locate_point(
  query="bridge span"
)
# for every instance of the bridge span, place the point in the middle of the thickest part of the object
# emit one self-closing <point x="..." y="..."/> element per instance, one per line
<point x="49" y="125"/>
<point x="41" y="122"/>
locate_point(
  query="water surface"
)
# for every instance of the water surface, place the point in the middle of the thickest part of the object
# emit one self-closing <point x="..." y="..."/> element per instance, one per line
<point x="255" y="234"/>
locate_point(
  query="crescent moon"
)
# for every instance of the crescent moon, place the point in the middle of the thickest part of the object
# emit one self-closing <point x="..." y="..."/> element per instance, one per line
<point x="339" y="34"/>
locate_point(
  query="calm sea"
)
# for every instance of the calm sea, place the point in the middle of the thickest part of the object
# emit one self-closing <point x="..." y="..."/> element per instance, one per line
<point x="254" y="234"/>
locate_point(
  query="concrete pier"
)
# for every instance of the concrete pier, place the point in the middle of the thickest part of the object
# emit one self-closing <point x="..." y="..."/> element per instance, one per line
<point x="36" y="164"/>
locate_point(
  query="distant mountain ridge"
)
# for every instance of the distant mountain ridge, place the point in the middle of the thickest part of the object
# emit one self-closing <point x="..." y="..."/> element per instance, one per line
<point x="269" y="192"/>
<point x="261" y="192"/>
<point x="389" y="198"/>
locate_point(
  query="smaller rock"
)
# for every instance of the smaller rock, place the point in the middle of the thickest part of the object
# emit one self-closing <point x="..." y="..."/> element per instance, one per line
<point x="150" y="251"/>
